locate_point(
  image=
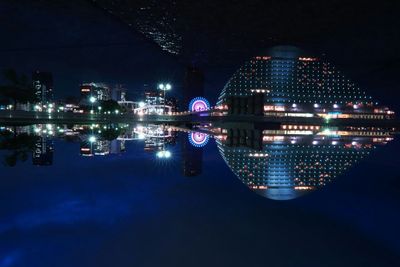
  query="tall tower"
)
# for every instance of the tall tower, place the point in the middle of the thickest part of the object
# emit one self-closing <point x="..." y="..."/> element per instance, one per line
<point x="193" y="84"/>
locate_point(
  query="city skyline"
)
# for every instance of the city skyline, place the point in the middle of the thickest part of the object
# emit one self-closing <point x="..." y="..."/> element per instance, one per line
<point x="199" y="133"/>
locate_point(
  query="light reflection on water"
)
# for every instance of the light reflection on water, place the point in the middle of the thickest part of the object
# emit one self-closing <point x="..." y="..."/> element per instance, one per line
<point x="277" y="163"/>
<point x="81" y="185"/>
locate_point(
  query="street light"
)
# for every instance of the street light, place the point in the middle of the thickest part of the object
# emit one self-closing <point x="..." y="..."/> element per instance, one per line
<point x="92" y="100"/>
<point x="163" y="154"/>
<point x="165" y="87"/>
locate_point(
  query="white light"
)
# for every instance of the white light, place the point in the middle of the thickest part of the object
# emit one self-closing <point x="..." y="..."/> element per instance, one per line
<point x="141" y="104"/>
<point x="355" y="106"/>
<point x="92" y="139"/>
<point x="334" y="143"/>
<point x="335" y="106"/>
<point x="353" y="143"/>
<point x="314" y="142"/>
<point x="92" y="99"/>
<point x="316" y="106"/>
<point x="161" y="86"/>
<point x="50" y="105"/>
<point x="99" y="108"/>
<point x="116" y="111"/>
<point x="49" y="126"/>
<point x="163" y="154"/>
<point x="294" y="106"/>
<point x="168" y="86"/>
<point x="293" y="141"/>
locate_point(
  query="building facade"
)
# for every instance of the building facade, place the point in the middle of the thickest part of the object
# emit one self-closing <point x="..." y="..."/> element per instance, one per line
<point x="100" y="91"/>
<point x="43" y="87"/>
<point x="291" y="80"/>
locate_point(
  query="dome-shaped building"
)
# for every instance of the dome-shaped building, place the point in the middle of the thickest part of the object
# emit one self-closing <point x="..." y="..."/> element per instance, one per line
<point x="290" y="77"/>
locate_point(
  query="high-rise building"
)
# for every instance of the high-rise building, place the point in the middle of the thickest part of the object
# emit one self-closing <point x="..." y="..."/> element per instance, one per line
<point x="291" y="80"/>
<point x="193" y="84"/>
<point x="100" y="91"/>
<point x="118" y="93"/>
<point x="43" y="86"/>
<point x="153" y="97"/>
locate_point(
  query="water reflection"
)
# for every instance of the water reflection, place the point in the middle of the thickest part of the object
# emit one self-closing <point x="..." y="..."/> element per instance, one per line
<point x="292" y="163"/>
<point x="18" y="145"/>
<point x="279" y="163"/>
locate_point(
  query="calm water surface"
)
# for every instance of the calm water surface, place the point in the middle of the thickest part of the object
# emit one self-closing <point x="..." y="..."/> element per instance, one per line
<point x="127" y="195"/>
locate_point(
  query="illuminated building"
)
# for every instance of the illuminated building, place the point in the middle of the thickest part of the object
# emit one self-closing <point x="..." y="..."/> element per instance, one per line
<point x="153" y="97"/>
<point x="118" y="93"/>
<point x="43" y="86"/>
<point x="290" y="164"/>
<point x="100" y="91"/>
<point x="43" y="152"/>
<point x="289" y="80"/>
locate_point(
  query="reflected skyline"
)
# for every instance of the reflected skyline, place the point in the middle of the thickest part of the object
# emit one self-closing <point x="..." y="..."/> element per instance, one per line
<point x="279" y="164"/>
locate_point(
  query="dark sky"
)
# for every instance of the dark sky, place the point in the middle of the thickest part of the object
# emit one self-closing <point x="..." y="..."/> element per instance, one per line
<point x="78" y="42"/>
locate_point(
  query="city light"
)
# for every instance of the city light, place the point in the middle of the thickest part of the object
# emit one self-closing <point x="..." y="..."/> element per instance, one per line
<point x="163" y="154"/>
<point x="92" y="139"/>
<point x="164" y="88"/>
<point x="92" y="99"/>
<point x="141" y="104"/>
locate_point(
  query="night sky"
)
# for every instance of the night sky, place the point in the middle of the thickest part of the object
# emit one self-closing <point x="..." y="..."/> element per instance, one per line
<point x="79" y="42"/>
